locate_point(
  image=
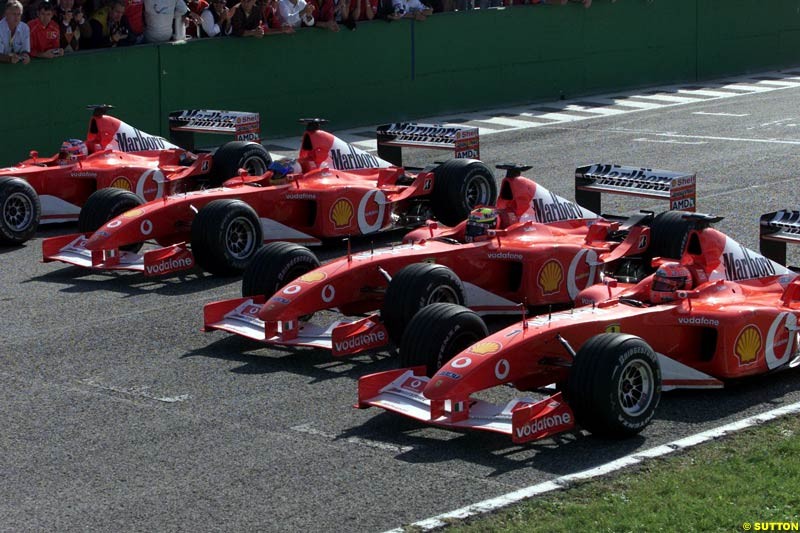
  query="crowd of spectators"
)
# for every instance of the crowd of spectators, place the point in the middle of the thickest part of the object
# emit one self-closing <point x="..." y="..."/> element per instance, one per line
<point x="51" y="28"/>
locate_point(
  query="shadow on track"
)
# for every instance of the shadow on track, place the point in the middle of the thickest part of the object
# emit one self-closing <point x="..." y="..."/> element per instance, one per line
<point x="319" y="365"/>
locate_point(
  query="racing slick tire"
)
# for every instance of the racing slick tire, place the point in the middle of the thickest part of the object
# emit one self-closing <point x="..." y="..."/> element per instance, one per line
<point x="104" y="205"/>
<point x="459" y="186"/>
<point x="615" y="385"/>
<point x="226" y="234"/>
<point x="20" y="211"/>
<point x="668" y="234"/>
<point x="232" y="156"/>
<point x="414" y="287"/>
<point x="275" y="265"/>
<point x="437" y="333"/>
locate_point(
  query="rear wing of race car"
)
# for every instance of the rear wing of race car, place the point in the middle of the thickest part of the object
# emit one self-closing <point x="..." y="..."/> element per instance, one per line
<point x="392" y="138"/>
<point x="775" y="230"/>
<point x="184" y="124"/>
<point x="679" y="188"/>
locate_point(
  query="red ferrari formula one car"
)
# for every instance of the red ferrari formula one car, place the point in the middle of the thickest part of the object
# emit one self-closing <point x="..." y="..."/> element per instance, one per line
<point x="332" y="190"/>
<point x="543" y="249"/>
<point x="116" y="155"/>
<point x="720" y="314"/>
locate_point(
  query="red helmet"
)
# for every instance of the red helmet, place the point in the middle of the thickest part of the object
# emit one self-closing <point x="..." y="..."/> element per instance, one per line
<point x="669" y="277"/>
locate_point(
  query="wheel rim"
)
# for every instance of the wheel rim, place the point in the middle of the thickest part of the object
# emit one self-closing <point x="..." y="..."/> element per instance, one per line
<point x="477" y="192"/>
<point x="254" y="165"/>
<point x="636" y="388"/>
<point x="443" y="294"/>
<point x="18" y="211"/>
<point x="241" y="238"/>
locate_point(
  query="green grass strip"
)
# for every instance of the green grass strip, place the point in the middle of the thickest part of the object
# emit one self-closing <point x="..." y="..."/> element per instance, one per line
<point x="748" y="479"/>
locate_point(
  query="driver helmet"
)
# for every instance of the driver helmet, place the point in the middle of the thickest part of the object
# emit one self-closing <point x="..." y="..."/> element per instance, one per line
<point x="669" y="277"/>
<point x="73" y="149"/>
<point x="480" y="221"/>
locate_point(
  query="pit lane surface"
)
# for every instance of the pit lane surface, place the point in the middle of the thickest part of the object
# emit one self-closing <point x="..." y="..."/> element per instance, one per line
<point x="117" y="413"/>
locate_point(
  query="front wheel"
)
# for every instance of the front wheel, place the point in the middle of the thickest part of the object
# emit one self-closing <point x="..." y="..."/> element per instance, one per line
<point x="225" y="236"/>
<point x="104" y="205"/>
<point x="414" y="287"/>
<point x="20" y="211"/>
<point x="615" y="385"/>
<point x="275" y="265"/>
<point x="437" y="334"/>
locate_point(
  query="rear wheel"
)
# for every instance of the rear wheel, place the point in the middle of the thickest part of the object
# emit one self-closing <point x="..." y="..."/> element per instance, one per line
<point x="437" y="333"/>
<point x="275" y="265"/>
<point x="414" y="287"/>
<point x="459" y="186"/>
<point x="20" y="211"/>
<point x="226" y="234"/>
<point x="615" y="385"/>
<point x="104" y="205"/>
<point x="232" y="156"/>
<point x="668" y="234"/>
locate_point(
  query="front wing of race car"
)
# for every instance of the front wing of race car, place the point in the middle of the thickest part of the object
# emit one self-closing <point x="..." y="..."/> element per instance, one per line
<point x="524" y="419"/>
<point x="71" y="249"/>
<point x="342" y="337"/>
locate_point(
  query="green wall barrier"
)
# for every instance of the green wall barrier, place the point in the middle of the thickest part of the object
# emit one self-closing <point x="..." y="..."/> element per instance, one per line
<point x="403" y="70"/>
<point x="45" y="101"/>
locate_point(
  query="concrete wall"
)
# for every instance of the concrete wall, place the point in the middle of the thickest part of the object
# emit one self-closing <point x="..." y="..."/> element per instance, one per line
<point x="403" y="70"/>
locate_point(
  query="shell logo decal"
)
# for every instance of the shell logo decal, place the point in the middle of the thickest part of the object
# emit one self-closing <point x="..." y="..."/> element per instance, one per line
<point x="485" y="348"/>
<point x="342" y="213"/>
<point x="311" y="277"/>
<point x="550" y="277"/>
<point x="613" y="328"/>
<point x="122" y="183"/>
<point x="748" y="344"/>
<point x="133" y="213"/>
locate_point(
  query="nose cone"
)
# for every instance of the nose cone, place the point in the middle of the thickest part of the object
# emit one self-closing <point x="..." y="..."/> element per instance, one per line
<point x="474" y="369"/>
<point x="128" y="228"/>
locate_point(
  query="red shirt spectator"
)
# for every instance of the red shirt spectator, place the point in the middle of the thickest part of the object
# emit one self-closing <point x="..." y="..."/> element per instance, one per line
<point x="195" y="6"/>
<point x="45" y="34"/>
<point x="134" y="13"/>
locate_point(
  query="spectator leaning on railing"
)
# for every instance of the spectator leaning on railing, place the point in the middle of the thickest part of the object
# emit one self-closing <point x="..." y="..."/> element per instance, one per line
<point x="248" y="20"/>
<point x="134" y="14"/>
<point x="296" y="13"/>
<point x="75" y="27"/>
<point x="15" y="39"/>
<point x="160" y="16"/>
<point x="45" y="34"/>
<point x="110" y="28"/>
<point x="411" y="9"/>
<point x="216" y="20"/>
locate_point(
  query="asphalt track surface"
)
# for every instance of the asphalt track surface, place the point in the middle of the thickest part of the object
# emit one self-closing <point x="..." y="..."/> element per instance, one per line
<point x="119" y="414"/>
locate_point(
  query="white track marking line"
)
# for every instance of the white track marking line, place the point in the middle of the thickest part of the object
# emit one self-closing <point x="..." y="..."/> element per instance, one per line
<point x="735" y="139"/>
<point x="565" y="482"/>
<point x="641" y="139"/>
<point x="721" y="114"/>
<point x="596" y="110"/>
<point x="671" y="99"/>
<point x="778" y="83"/>
<point x="308" y="429"/>
<point x="136" y="391"/>
<point x="750" y="88"/>
<point x="627" y="103"/>
<point x="706" y="92"/>
<point x="557" y="117"/>
<point x="506" y="121"/>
